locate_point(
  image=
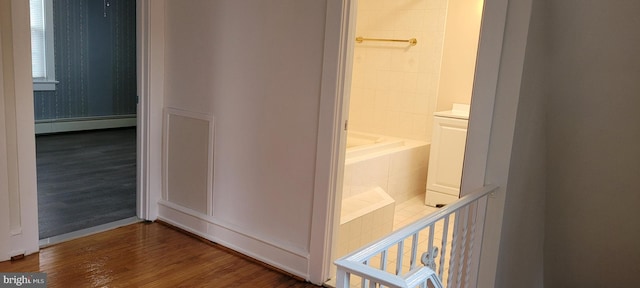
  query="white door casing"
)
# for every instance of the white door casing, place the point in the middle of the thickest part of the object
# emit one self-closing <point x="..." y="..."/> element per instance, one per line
<point x="150" y="74"/>
<point x="18" y="168"/>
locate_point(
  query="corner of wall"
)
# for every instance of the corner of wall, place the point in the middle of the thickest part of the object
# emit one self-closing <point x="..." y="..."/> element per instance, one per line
<point x="521" y="256"/>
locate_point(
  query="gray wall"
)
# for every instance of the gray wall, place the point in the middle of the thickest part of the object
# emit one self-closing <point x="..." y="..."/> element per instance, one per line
<point x="592" y="227"/>
<point x="95" y="59"/>
<point x="521" y="246"/>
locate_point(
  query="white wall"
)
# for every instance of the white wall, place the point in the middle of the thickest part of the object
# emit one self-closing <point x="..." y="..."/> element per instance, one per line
<point x="522" y="239"/>
<point x="592" y="228"/>
<point x="255" y="68"/>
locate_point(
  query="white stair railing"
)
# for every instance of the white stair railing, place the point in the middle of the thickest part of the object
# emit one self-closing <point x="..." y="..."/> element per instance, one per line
<point x="393" y="261"/>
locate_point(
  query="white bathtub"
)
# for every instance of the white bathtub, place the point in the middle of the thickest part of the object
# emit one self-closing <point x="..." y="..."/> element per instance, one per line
<point x="361" y="144"/>
<point x="364" y="217"/>
<point x="379" y="172"/>
<point x="398" y="166"/>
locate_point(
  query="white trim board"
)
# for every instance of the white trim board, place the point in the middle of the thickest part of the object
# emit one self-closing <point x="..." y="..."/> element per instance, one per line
<point x="150" y="75"/>
<point x="66" y="125"/>
<point x="19" y="232"/>
<point x="276" y="255"/>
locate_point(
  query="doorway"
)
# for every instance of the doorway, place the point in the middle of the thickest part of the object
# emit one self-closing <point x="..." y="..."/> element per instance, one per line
<point x="86" y="125"/>
<point x="411" y="60"/>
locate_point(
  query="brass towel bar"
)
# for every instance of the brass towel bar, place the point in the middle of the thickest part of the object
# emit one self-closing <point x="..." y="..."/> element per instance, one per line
<point x="411" y="41"/>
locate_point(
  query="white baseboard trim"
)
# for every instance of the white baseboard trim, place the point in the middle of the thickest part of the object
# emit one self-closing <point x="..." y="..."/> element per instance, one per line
<point x="68" y="125"/>
<point x="283" y="258"/>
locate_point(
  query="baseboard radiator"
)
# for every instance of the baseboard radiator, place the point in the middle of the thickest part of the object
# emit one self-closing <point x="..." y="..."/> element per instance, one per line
<point x="85" y="123"/>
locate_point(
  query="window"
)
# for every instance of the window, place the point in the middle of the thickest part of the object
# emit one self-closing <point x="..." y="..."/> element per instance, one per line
<point x="43" y="67"/>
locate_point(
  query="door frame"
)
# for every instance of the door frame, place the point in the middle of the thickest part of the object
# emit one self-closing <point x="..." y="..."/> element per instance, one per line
<point x="20" y="128"/>
<point x="20" y="227"/>
<point x="150" y="89"/>
<point x="334" y="115"/>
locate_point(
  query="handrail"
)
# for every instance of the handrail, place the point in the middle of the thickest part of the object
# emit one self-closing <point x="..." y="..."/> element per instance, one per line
<point x="383" y="277"/>
<point x="395" y="237"/>
<point x="379" y="276"/>
<point x="358" y="263"/>
<point x="412" y="41"/>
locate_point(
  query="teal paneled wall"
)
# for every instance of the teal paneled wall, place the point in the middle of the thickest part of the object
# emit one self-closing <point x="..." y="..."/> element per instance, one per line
<point x="95" y="59"/>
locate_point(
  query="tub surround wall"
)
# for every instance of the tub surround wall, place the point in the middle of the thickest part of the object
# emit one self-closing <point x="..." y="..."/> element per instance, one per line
<point x="365" y="217"/>
<point x="400" y="171"/>
<point x="394" y="85"/>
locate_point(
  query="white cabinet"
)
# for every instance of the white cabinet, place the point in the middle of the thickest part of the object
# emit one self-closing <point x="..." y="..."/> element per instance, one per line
<point x="446" y="158"/>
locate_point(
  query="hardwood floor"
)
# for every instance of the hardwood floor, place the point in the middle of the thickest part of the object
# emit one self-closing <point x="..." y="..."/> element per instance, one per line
<point x="85" y="179"/>
<point x="147" y="255"/>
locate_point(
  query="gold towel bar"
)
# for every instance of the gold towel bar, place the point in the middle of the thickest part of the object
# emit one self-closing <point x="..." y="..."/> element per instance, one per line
<point x="411" y="41"/>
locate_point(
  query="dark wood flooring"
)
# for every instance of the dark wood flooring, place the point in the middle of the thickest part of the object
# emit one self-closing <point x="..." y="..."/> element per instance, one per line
<point x="85" y="179"/>
<point x="148" y="255"/>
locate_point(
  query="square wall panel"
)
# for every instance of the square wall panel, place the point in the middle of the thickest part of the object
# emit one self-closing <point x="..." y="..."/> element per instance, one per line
<point x="187" y="165"/>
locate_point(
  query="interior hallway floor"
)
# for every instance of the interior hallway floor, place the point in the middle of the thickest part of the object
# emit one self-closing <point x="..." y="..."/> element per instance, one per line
<point x="148" y="255"/>
<point x="85" y="179"/>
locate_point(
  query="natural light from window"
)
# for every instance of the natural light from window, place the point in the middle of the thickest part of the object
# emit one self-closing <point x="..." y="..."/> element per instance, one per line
<point x="43" y="69"/>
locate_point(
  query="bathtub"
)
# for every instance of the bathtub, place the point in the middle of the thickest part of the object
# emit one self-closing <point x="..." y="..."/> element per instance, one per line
<point x="364" y="218"/>
<point x="379" y="172"/>
<point x="361" y="144"/>
<point x="397" y="165"/>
